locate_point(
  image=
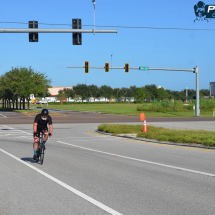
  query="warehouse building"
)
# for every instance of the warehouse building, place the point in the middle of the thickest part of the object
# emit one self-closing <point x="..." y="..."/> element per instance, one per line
<point x="54" y="90"/>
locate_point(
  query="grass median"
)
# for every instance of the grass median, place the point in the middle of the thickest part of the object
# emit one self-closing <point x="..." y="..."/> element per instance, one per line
<point x="206" y="138"/>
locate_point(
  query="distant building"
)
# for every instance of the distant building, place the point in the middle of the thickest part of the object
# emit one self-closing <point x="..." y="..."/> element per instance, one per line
<point x="54" y="90"/>
<point x="212" y="88"/>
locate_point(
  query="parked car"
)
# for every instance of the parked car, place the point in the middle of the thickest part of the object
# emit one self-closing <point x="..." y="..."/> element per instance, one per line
<point x="43" y="102"/>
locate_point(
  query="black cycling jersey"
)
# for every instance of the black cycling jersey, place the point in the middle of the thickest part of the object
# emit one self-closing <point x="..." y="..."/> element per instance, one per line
<point x="42" y="124"/>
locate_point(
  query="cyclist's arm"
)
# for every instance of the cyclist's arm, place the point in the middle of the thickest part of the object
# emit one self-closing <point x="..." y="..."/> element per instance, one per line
<point x="50" y="128"/>
<point x="35" y="127"/>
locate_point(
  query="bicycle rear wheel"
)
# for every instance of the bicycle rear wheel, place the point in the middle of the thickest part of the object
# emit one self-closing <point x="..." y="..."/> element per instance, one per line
<point x="39" y="149"/>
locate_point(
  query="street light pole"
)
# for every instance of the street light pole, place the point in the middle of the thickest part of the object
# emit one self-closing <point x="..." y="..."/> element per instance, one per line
<point x="94" y="19"/>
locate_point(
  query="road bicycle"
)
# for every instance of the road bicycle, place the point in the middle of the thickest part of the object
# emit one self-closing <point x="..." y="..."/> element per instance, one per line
<point x="40" y="148"/>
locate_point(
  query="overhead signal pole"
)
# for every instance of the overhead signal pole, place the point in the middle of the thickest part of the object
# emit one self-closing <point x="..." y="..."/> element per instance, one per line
<point x="31" y="30"/>
<point x="76" y="31"/>
<point x="145" y="68"/>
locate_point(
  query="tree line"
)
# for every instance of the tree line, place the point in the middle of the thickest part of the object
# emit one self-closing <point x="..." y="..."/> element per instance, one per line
<point x="18" y="84"/>
<point x="140" y="94"/>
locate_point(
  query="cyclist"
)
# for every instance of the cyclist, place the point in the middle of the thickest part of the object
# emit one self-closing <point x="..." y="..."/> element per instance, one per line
<point x="41" y="122"/>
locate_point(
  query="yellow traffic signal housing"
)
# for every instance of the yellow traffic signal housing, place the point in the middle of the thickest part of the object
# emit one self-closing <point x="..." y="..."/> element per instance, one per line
<point x="86" y="66"/>
<point x="106" y="67"/>
<point x="126" y="67"/>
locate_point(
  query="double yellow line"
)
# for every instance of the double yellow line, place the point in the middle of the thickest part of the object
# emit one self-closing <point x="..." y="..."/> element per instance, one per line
<point x="52" y="114"/>
<point x="157" y="144"/>
<point x="95" y="134"/>
<point x="170" y="146"/>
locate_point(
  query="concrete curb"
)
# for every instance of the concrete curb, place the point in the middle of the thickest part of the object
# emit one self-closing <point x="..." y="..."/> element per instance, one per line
<point x="133" y="137"/>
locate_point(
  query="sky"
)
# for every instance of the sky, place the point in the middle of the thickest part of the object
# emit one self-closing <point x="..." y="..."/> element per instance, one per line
<point x="155" y="48"/>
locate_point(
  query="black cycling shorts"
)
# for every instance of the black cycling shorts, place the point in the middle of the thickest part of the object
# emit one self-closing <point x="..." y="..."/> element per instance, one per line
<point x="41" y="130"/>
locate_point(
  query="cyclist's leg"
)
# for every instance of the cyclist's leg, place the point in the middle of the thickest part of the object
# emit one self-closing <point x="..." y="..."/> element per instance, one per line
<point x="36" y="138"/>
<point x="45" y="135"/>
<point x="45" y="132"/>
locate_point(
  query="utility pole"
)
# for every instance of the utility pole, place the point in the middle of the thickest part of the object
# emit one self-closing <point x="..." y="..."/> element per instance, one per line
<point x="186" y="94"/>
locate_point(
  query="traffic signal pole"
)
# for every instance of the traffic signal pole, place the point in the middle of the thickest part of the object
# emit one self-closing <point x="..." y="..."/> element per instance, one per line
<point x="194" y="70"/>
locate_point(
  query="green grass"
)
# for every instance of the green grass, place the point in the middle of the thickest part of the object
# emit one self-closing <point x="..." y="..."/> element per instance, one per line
<point x="126" y="109"/>
<point x="111" y="108"/>
<point x="129" y="109"/>
<point x="206" y="138"/>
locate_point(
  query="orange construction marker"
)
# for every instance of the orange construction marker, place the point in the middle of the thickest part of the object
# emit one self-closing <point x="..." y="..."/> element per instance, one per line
<point x="142" y="117"/>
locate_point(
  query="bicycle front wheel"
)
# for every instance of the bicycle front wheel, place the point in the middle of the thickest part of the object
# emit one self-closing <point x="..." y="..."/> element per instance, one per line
<point x="41" y="154"/>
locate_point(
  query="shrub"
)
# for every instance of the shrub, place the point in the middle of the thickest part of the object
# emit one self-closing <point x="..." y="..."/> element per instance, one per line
<point x="170" y="106"/>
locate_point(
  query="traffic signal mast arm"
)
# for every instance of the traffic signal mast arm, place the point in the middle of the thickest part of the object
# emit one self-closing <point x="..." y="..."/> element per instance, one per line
<point x="96" y="67"/>
<point x="37" y="30"/>
<point x="136" y="68"/>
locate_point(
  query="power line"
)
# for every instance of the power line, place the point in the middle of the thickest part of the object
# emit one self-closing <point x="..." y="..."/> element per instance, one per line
<point x="118" y="26"/>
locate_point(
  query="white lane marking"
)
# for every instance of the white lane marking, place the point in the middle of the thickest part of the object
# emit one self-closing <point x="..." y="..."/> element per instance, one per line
<point x="82" y="195"/>
<point x="10" y="131"/>
<point x="144" y="161"/>
<point x="30" y="138"/>
<point x="3" y="116"/>
<point x="17" y="129"/>
<point x="13" y="133"/>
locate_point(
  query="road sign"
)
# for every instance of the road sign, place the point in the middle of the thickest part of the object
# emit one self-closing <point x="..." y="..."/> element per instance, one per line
<point x="143" y="68"/>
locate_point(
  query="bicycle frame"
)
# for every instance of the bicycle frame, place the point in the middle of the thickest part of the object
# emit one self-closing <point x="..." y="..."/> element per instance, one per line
<point x="40" y="148"/>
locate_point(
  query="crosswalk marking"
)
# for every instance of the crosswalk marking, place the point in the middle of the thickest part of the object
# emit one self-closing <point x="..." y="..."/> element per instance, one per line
<point x="7" y="131"/>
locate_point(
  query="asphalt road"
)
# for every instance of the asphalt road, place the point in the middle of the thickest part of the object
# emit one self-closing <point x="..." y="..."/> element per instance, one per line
<point x="87" y="173"/>
<point x="59" y="116"/>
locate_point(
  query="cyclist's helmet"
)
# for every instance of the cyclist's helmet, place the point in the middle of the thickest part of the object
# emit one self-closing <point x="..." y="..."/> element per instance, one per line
<point x="45" y="112"/>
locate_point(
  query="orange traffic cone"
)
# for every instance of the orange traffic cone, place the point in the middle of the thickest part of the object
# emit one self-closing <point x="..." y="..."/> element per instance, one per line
<point x="144" y="126"/>
<point x="143" y="118"/>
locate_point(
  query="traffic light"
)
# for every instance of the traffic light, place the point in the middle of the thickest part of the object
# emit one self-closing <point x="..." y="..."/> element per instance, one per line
<point x="76" y="37"/>
<point x="106" y="67"/>
<point x="194" y="70"/>
<point x="33" y="37"/>
<point x="86" y="66"/>
<point x="127" y="67"/>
